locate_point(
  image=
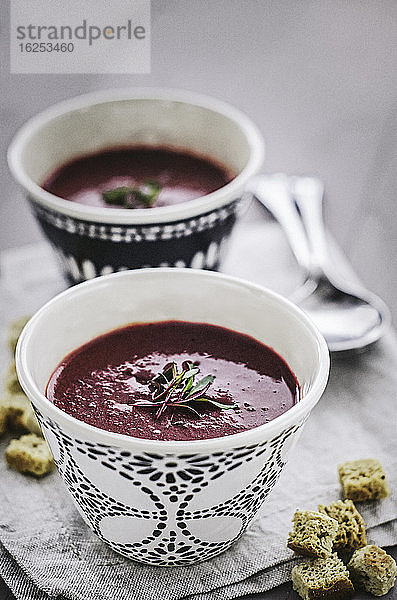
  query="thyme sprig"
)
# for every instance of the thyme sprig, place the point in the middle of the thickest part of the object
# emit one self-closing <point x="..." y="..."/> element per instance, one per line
<point x="177" y="388"/>
<point x="126" y="196"/>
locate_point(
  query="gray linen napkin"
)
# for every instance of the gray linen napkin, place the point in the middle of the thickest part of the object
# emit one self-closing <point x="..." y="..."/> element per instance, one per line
<point x="47" y="550"/>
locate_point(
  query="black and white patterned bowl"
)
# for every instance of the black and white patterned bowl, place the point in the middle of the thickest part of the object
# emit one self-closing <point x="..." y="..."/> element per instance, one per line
<point x="91" y="241"/>
<point x="169" y="502"/>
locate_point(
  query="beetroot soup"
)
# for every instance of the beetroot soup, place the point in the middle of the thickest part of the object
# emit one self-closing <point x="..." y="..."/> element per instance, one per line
<point x="137" y="177"/>
<point x="174" y="380"/>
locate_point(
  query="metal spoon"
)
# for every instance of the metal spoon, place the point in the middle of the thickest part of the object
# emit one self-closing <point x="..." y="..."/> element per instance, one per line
<point x="348" y="315"/>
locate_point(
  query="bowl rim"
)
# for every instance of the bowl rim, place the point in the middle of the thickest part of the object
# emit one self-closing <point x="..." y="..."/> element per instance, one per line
<point x="122" y="216"/>
<point x="293" y="416"/>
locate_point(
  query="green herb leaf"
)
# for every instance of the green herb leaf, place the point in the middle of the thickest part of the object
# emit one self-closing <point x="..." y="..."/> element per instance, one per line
<point x="174" y="388"/>
<point x="118" y="196"/>
<point x="201" y="385"/>
<point x="224" y="405"/>
<point x="144" y="195"/>
<point x="188" y="385"/>
<point x="169" y="372"/>
<point x="191" y="373"/>
<point x="217" y="403"/>
<point x="147" y="193"/>
<point x="188" y="407"/>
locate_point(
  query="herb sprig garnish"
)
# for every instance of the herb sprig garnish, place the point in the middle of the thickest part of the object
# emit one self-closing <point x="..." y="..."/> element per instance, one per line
<point x="173" y="388"/>
<point x="126" y="196"/>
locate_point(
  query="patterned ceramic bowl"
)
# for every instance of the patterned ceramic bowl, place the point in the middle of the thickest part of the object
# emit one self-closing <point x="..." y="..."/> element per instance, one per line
<point x="169" y="502"/>
<point x="91" y="241"/>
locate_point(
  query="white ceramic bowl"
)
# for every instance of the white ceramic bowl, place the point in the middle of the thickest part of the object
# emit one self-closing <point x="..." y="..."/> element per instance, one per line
<point x="169" y="502"/>
<point x="91" y="241"/>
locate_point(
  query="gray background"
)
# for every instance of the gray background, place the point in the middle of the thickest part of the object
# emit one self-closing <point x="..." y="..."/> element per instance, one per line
<point x="319" y="78"/>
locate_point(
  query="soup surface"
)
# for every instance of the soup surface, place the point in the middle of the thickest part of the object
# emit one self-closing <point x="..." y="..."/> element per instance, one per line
<point x="117" y="382"/>
<point x="178" y="176"/>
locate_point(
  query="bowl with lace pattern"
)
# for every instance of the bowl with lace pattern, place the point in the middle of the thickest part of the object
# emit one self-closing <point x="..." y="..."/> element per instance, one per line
<point x="155" y="498"/>
<point x="125" y="232"/>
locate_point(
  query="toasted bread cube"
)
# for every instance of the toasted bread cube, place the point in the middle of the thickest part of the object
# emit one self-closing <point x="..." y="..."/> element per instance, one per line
<point x="313" y="533"/>
<point x="11" y="381"/>
<point x="351" y="531"/>
<point x="363" y="480"/>
<point x="3" y="419"/>
<point x="19" y="413"/>
<point x="30" y="454"/>
<point x="15" y="330"/>
<point x="325" y="578"/>
<point x="16" y="405"/>
<point x="372" y="569"/>
<point x="30" y="423"/>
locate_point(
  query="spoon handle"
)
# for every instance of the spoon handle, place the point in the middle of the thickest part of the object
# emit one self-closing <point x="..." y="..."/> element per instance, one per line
<point x="273" y="192"/>
<point x="308" y="194"/>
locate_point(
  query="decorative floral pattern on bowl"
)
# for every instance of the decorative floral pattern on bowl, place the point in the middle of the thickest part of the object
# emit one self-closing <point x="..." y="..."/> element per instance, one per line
<point x="85" y="249"/>
<point x="169" y="502"/>
<point x="165" y="509"/>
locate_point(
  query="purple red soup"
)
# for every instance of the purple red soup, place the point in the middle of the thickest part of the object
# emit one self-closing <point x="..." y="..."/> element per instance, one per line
<point x="174" y="380"/>
<point x="137" y="177"/>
